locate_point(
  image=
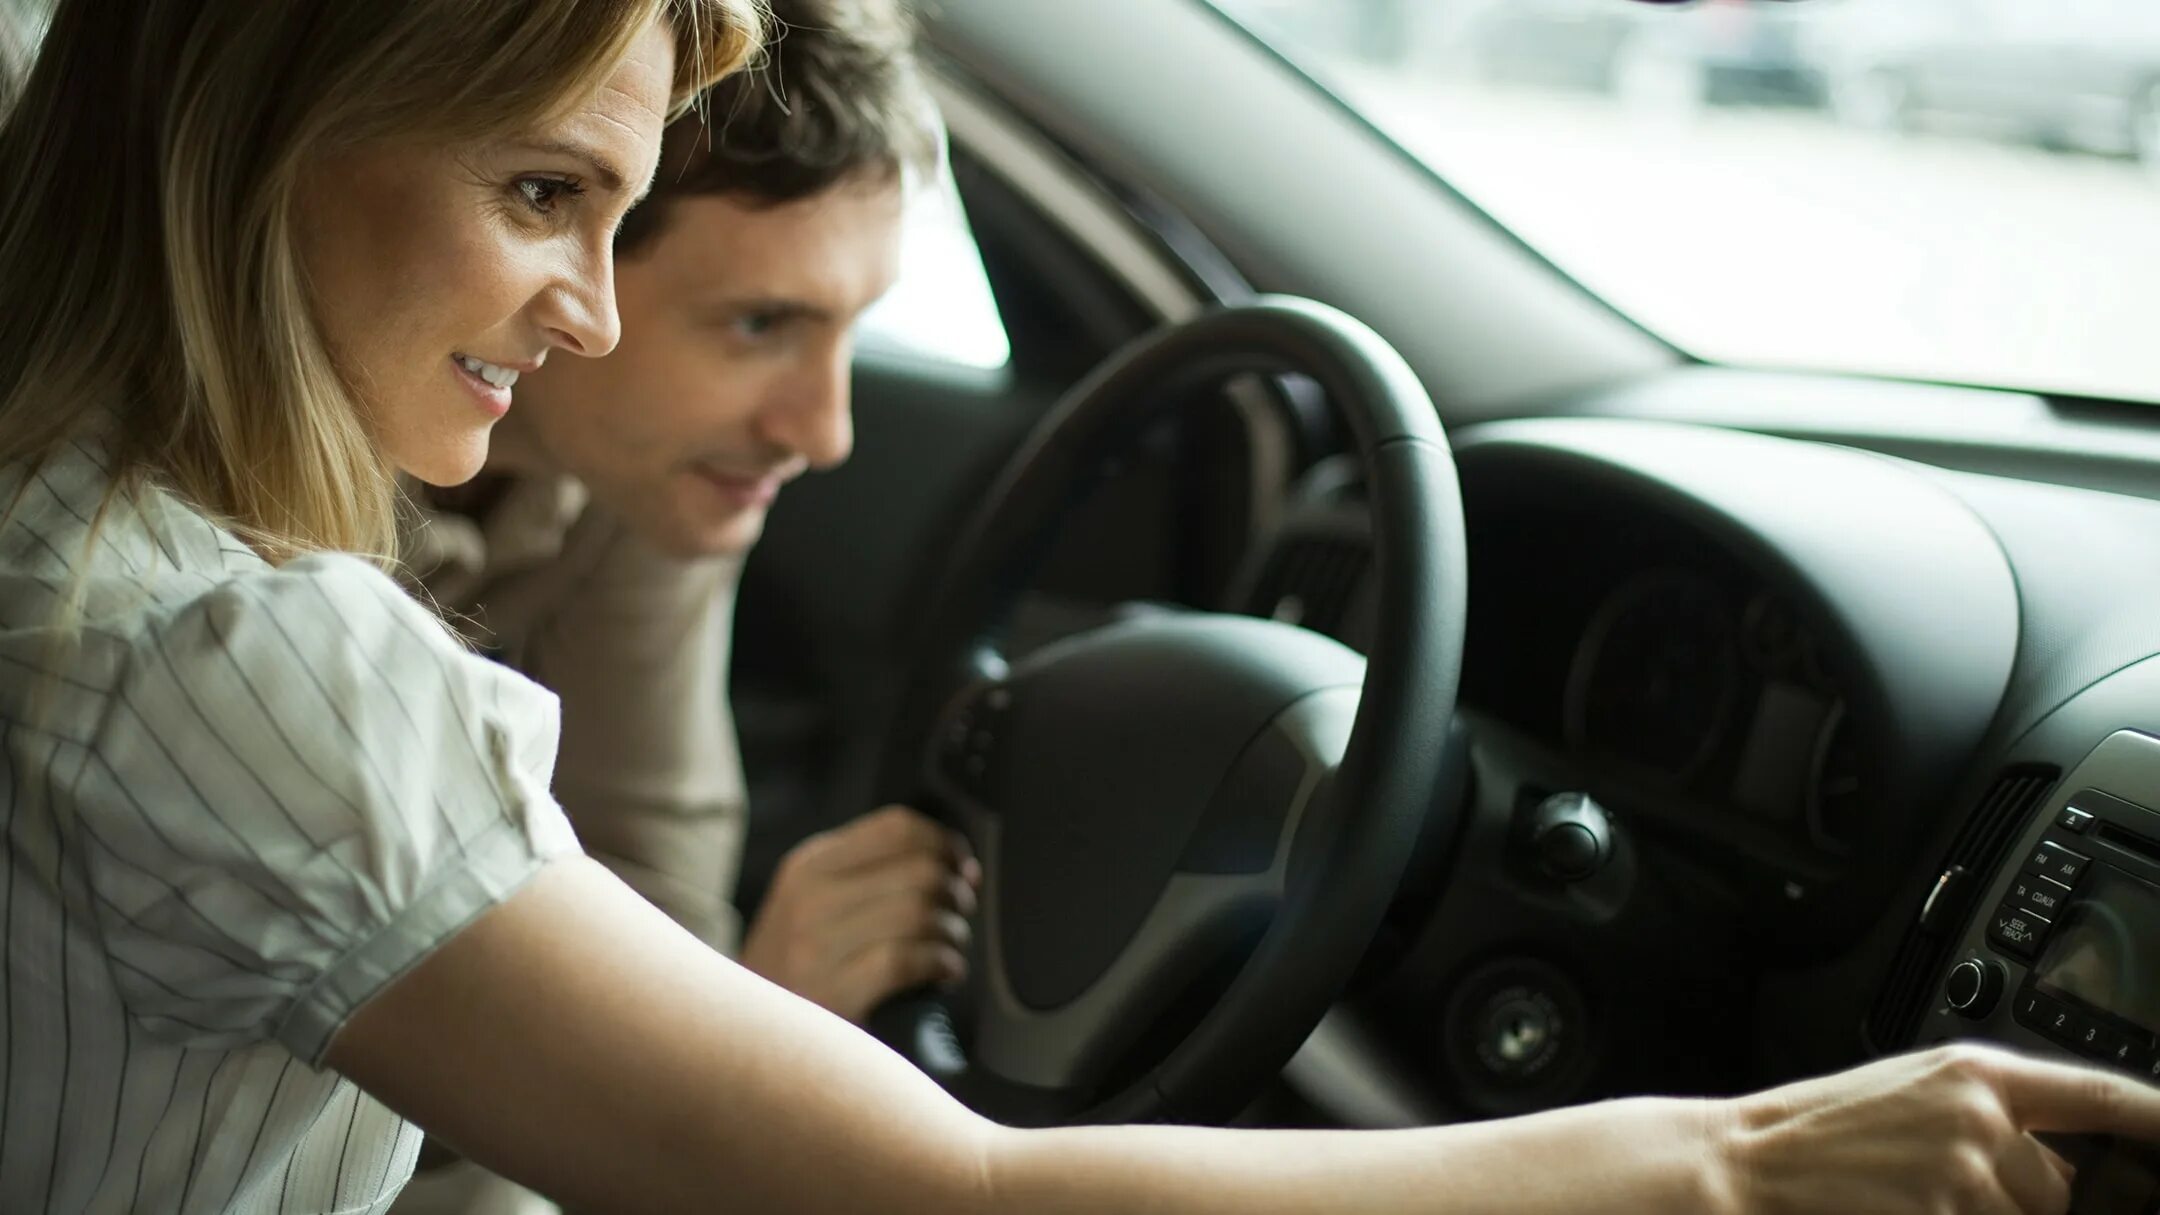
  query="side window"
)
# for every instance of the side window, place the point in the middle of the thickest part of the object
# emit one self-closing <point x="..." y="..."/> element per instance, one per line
<point x="941" y="308"/>
<point x="22" y="27"/>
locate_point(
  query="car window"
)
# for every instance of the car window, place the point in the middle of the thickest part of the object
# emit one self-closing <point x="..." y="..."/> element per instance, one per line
<point x="1956" y="190"/>
<point x="941" y="307"/>
<point x="22" y="27"/>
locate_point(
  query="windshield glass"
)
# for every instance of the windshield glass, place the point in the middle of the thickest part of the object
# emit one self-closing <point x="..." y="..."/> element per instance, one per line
<point x="1957" y="190"/>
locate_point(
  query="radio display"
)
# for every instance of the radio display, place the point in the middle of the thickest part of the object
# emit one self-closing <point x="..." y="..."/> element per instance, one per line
<point x="2105" y="951"/>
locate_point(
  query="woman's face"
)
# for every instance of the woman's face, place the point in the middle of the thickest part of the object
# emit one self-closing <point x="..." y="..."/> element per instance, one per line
<point x="439" y="274"/>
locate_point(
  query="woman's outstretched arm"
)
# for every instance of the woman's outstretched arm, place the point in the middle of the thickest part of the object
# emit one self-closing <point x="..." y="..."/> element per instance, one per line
<point x="576" y="1039"/>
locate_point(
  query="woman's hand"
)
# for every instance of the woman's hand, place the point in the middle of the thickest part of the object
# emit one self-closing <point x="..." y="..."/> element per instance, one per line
<point x="1947" y="1130"/>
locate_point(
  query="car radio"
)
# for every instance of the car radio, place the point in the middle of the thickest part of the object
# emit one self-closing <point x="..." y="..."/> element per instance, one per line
<point x="2062" y="954"/>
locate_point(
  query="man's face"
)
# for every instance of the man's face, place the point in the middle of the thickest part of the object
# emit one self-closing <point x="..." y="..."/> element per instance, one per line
<point x="732" y="375"/>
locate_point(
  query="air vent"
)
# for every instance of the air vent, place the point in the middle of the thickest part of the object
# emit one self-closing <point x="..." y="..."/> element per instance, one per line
<point x="1966" y="869"/>
<point x="1310" y="580"/>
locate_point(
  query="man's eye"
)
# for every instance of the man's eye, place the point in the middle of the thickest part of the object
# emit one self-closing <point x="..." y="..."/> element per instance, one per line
<point x="756" y="324"/>
<point x="543" y="195"/>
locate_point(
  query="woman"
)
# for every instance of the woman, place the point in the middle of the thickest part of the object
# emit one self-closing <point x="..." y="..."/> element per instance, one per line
<point x="280" y="857"/>
<point x="260" y="256"/>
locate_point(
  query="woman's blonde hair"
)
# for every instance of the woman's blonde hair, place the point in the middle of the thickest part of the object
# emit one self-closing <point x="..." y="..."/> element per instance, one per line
<point x="149" y="290"/>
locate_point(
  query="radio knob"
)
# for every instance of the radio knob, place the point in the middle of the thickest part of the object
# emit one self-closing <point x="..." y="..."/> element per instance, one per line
<point x="1973" y="987"/>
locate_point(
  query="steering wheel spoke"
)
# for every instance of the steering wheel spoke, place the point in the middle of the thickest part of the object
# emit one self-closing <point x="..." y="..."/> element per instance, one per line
<point x="1223" y="892"/>
<point x="1197" y="919"/>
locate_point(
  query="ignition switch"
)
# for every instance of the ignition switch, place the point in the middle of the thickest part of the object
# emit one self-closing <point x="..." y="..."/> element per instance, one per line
<point x="1568" y="837"/>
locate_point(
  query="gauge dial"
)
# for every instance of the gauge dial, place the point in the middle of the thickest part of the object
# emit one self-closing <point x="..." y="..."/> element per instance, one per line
<point x="1657" y="675"/>
<point x="1836" y="794"/>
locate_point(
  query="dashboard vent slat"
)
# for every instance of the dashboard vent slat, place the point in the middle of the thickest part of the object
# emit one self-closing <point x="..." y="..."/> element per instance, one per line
<point x="1977" y="850"/>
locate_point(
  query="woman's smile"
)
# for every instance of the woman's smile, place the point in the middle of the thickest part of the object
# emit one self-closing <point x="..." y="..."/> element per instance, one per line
<point x="490" y="383"/>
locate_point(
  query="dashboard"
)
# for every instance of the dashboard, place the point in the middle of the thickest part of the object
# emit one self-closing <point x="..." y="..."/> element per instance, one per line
<point x="1714" y="690"/>
<point x="1684" y="683"/>
<point x="1805" y="683"/>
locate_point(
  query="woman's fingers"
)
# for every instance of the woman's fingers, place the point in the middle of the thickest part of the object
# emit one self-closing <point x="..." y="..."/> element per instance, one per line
<point x="2035" y="1178"/>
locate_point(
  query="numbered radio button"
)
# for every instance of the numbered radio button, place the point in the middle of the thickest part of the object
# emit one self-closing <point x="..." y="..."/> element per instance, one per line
<point x="2096" y="1041"/>
<point x="2068" y="1026"/>
<point x="2132" y="1054"/>
<point x="2037" y="1012"/>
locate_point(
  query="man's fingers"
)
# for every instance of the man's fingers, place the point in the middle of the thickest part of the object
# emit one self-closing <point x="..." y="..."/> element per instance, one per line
<point x="2030" y="1177"/>
<point x="878" y="839"/>
<point x="925" y="879"/>
<point x="891" y="967"/>
<point x="961" y="897"/>
<point x="901" y="831"/>
<point x="901" y="916"/>
<point x="865" y="911"/>
<point x="962" y="855"/>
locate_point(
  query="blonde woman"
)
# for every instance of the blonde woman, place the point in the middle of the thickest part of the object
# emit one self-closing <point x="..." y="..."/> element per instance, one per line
<point x="281" y="867"/>
<point x="257" y="258"/>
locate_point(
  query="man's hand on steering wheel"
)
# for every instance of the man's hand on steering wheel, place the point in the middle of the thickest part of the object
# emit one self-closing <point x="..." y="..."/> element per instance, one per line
<point x="867" y="911"/>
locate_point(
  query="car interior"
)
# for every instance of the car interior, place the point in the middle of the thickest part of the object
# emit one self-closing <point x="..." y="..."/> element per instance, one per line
<point x="1464" y="558"/>
<point x="1739" y="712"/>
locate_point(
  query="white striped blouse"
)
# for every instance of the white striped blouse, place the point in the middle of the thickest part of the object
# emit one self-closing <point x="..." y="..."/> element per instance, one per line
<point x="238" y="802"/>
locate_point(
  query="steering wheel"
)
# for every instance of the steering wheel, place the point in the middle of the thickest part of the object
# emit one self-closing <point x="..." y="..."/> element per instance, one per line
<point x="1168" y="804"/>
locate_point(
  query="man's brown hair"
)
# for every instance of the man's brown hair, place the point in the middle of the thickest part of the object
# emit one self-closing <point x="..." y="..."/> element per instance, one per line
<point x="837" y="98"/>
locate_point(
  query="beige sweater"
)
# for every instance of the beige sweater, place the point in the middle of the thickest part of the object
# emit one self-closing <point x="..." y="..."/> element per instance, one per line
<point x="636" y="645"/>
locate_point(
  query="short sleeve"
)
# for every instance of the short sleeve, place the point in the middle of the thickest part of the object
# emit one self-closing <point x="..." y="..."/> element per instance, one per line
<point x="303" y="785"/>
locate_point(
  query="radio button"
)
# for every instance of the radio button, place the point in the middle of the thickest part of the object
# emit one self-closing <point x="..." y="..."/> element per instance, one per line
<point x="2074" y="820"/>
<point x="2066" y="1025"/>
<point x="2131" y="1054"/>
<point x="2097" y="1041"/>
<point x="2017" y="931"/>
<point x="2031" y="1007"/>
<point x="2044" y="895"/>
<point x="2052" y="860"/>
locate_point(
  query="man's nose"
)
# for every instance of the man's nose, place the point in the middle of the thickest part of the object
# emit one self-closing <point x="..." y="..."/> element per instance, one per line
<point x="817" y="421"/>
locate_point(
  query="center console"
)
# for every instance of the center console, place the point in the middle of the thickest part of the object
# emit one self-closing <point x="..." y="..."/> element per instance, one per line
<point x="2062" y="953"/>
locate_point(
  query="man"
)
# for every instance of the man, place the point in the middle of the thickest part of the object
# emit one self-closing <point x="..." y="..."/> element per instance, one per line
<point x="598" y="553"/>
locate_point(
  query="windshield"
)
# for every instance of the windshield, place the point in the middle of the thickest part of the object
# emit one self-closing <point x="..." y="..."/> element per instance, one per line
<point x="1956" y="190"/>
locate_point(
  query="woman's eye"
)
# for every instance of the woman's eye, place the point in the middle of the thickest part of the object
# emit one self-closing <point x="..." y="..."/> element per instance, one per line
<point x="543" y="195"/>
